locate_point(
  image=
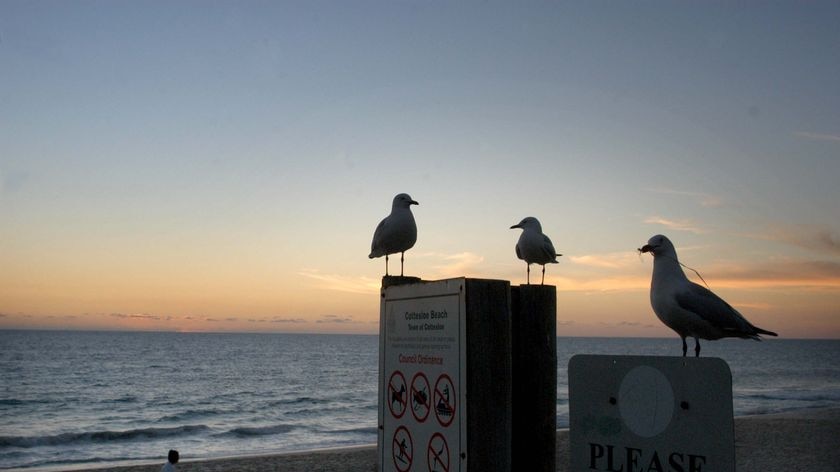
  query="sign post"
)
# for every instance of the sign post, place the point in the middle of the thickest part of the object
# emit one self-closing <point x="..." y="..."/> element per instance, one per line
<point x="642" y="413"/>
<point x="438" y="341"/>
<point x="534" y="322"/>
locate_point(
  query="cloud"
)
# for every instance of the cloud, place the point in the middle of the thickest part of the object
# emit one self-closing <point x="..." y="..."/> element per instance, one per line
<point x="143" y="316"/>
<point x="336" y="319"/>
<point x="793" y="273"/>
<point x="613" y="260"/>
<point x="3" y="315"/>
<point x="818" y="136"/>
<point x="601" y="284"/>
<point x="634" y="324"/>
<point x="820" y="239"/>
<point x="456" y="265"/>
<point x="676" y="225"/>
<point x="343" y="283"/>
<point x="703" y="199"/>
<point x="278" y="319"/>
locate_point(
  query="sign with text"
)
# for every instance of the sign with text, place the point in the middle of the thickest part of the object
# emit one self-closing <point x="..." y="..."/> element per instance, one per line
<point x="648" y="414"/>
<point x="422" y="369"/>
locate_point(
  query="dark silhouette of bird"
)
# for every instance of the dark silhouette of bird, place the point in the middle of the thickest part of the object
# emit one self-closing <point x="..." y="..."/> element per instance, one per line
<point x="534" y="247"/>
<point x="688" y="308"/>
<point x="396" y="233"/>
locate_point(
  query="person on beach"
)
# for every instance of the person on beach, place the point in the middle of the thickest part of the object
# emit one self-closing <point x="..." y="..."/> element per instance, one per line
<point x="170" y="464"/>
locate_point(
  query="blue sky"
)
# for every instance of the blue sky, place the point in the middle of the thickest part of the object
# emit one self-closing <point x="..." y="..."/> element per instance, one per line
<point x="188" y="161"/>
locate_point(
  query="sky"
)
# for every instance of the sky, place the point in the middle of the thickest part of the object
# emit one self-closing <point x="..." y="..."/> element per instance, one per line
<point x="221" y="165"/>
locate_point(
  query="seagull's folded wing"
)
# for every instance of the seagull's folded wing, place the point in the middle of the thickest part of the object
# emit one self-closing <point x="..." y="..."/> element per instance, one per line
<point x="376" y="249"/>
<point x="549" y="250"/>
<point x="713" y="309"/>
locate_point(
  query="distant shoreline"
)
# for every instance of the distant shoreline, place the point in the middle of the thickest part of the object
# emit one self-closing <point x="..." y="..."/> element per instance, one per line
<point x="308" y="333"/>
<point x="793" y="440"/>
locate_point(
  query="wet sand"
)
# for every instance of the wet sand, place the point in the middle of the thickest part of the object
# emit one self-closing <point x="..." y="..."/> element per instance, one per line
<point x="805" y="440"/>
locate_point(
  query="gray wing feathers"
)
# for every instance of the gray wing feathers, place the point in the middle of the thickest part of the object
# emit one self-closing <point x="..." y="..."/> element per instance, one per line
<point x="711" y="308"/>
<point x="376" y="251"/>
<point x="549" y="249"/>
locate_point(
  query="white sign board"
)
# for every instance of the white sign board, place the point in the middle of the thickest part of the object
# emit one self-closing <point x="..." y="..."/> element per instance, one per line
<point x="648" y="414"/>
<point x="422" y="377"/>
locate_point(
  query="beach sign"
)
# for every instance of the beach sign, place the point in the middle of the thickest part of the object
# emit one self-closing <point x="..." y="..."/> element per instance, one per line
<point x="650" y="414"/>
<point x="423" y="369"/>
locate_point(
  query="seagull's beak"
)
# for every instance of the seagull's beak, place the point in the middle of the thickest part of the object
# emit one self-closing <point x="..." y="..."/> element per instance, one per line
<point x="413" y="203"/>
<point x="646" y="248"/>
<point x="515" y="226"/>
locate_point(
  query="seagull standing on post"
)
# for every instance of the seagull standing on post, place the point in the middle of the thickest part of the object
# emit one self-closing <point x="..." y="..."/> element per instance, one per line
<point x="688" y="308"/>
<point x="534" y="247"/>
<point x="396" y="233"/>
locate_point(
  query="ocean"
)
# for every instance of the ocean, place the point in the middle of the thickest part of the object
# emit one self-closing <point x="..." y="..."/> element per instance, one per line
<point x="92" y="399"/>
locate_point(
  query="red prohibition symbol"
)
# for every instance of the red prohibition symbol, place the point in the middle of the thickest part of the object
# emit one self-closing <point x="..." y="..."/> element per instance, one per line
<point x="444" y="400"/>
<point x="420" y="397"/>
<point x="402" y="449"/>
<point x="437" y="454"/>
<point x="396" y="395"/>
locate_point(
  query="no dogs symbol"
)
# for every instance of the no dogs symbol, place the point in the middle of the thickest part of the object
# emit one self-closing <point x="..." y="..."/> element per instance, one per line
<point x="402" y="448"/>
<point x="396" y="395"/>
<point x="444" y="400"/>
<point x="437" y="454"/>
<point x="420" y="397"/>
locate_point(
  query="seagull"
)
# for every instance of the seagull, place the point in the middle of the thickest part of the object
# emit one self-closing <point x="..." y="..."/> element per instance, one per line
<point x="396" y="233"/>
<point x="688" y="308"/>
<point x="534" y="247"/>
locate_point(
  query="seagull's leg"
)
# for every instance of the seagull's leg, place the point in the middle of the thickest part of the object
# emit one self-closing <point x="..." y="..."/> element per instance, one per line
<point x="685" y="346"/>
<point x="386" y="265"/>
<point x="696" y="347"/>
<point x="402" y="261"/>
<point x="528" y="277"/>
<point x="542" y="282"/>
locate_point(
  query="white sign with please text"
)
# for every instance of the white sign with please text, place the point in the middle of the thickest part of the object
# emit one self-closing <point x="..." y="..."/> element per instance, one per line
<point x="650" y="414"/>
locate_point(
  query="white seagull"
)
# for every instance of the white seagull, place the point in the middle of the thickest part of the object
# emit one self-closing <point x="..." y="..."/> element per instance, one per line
<point x="396" y="233"/>
<point x="688" y="308"/>
<point x="534" y="247"/>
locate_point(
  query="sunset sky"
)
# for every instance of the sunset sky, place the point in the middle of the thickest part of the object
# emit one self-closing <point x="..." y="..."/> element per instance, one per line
<point x="221" y="166"/>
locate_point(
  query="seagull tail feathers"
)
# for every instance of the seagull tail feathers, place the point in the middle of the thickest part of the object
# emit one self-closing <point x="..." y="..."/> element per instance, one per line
<point x="756" y="334"/>
<point x="765" y="332"/>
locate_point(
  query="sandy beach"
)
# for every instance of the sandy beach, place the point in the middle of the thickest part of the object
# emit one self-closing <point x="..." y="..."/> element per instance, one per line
<point x="804" y="440"/>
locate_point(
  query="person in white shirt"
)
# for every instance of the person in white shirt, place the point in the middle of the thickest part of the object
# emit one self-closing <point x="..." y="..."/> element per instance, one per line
<point x="170" y="464"/>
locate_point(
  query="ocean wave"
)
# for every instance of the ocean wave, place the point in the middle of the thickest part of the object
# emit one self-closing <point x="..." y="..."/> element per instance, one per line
<point x="294" y="401"/>
<point x="795" y="396"/>
<point x="362" y="430"/>
<point x="99" y="436"/>
<point x="246" y="431"/>
<point x="191" y="415"/>
<point x="20" y="402"/>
